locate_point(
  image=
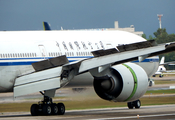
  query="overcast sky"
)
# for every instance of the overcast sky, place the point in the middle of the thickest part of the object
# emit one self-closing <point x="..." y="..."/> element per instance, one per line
<point x="85" y="14"/>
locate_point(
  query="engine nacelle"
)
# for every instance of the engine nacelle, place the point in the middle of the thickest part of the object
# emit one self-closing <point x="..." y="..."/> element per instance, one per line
<point x="121" y="83"/>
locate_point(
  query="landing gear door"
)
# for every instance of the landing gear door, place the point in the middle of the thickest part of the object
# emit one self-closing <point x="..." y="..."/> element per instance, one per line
<point x="42" y="50"/>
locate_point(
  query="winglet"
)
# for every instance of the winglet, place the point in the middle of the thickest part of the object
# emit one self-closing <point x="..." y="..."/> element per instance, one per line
<point x="46" y="26"/>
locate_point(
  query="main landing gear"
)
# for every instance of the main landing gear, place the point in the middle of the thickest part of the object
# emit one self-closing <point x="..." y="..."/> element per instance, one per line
<point x="133" y="104"/>
<point x="47" y="107"/>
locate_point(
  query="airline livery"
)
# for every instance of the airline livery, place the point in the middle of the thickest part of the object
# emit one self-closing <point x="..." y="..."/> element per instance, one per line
<point x="118" y="62"/>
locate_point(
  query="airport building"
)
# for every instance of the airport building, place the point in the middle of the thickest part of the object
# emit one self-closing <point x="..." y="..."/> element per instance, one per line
<point x="116" y="27"/>
<point x="129" y="29"/>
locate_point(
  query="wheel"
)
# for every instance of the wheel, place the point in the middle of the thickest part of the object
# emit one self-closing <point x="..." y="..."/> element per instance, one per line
<point x="130" y="105"/>
<point x="54" y="108"/>
<point x="34" y="110"/>
<point x="47" y="109"/>
<point x="61" y="109"/>
<point x="137" y="104"/>
<point x="160" y="76"/>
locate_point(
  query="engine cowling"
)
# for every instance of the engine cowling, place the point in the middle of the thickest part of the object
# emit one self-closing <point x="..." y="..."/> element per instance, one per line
<point x="121" y="83"/>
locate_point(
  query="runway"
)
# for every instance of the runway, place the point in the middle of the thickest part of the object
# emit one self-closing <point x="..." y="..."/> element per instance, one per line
<point x="158" y="112"/>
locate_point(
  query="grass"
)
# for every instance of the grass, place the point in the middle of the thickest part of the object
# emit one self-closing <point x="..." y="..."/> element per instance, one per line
<point x="157" y="82"/>
<point x="87" y="103"/>
<point x="170" y="91"/>
<point x="91" y="100"/>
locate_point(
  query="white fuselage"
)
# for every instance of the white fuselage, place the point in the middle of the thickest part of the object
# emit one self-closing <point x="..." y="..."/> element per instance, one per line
<point x="19" y="49"/>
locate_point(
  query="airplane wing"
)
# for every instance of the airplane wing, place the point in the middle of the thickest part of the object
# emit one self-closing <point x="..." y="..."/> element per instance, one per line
<point x="49" y="73"/>
<point x="169" y="63"/>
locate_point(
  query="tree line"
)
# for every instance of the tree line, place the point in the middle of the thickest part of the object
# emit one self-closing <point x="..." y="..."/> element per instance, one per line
<point x="161" y="36"/>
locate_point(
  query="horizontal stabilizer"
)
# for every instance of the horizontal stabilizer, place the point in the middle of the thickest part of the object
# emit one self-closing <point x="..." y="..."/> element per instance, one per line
<point x="38" y="81"/>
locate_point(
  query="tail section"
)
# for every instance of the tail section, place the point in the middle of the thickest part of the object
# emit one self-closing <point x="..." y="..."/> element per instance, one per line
<point x="46" y="26"/>
<point x="162" y="61"/>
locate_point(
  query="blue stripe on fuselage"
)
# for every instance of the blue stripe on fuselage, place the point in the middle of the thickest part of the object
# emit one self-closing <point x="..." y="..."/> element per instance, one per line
<point x="18" y="61"/>
<point x="148" y="60"/>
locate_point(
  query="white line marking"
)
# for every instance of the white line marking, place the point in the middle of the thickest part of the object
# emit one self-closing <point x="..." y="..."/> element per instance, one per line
<point x="115" y="118"/>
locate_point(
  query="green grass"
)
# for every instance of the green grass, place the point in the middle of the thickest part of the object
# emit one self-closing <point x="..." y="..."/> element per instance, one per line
<point x="91" y="100"/>
<point x="158" y="100"/>
<point x="170" y="91"/>
<point x="157" y="82"/>
<point x="87" y="103"/>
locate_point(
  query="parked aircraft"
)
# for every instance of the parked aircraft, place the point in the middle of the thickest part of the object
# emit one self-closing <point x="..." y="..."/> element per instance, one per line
<point x="118" y="62"/>
<point x="161" y="69"/>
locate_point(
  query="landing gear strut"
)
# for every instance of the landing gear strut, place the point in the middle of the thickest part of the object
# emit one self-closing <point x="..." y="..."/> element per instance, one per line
<point x="133" y="104"/>
<point x="47" y="107"/>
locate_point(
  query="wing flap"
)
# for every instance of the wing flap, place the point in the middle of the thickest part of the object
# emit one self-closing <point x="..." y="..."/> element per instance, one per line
<point x="37" y="81"/>
<point x="36" y="86"/>
<point x="50" y="63"/>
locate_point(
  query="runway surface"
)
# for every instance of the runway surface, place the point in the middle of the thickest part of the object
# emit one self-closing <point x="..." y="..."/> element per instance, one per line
<point x="158" y="112"/>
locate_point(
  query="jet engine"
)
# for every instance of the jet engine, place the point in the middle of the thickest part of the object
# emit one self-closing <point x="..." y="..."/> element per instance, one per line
<point x="120" y="83"/>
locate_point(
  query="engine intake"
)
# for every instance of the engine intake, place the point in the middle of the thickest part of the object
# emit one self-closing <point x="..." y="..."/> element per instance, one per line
<point x="121" y="83"/>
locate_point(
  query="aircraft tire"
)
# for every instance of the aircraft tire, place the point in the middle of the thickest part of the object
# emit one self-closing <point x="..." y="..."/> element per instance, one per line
<point x="54" y="108"/>
<point x="61" y="109"/>
<point x="34" y="110"/>
<point x="47" y="110"/>
<point x="137" y="104"/>
<point x="130" y="105"/>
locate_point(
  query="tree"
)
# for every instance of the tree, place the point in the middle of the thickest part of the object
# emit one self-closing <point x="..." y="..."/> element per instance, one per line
<point x="144" y="36"/>
<point x="163" y="37"/>
<point x="150" y="37"/>
<point x="160" y="32"/>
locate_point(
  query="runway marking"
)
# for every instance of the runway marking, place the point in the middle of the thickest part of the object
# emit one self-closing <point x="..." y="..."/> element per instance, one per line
<point x="145" y="116"/>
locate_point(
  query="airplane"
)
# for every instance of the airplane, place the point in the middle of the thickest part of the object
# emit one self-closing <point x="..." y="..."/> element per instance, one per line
<point x="161" y="69"/>
<point x="119" y="63"/>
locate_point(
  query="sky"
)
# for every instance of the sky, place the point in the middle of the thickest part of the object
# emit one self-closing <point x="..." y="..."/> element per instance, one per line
<point x="86" y="14"/>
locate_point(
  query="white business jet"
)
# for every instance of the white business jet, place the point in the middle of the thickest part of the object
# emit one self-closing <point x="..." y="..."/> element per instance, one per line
<point x="118" y="62"/>
<point x="161" y="69"/>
